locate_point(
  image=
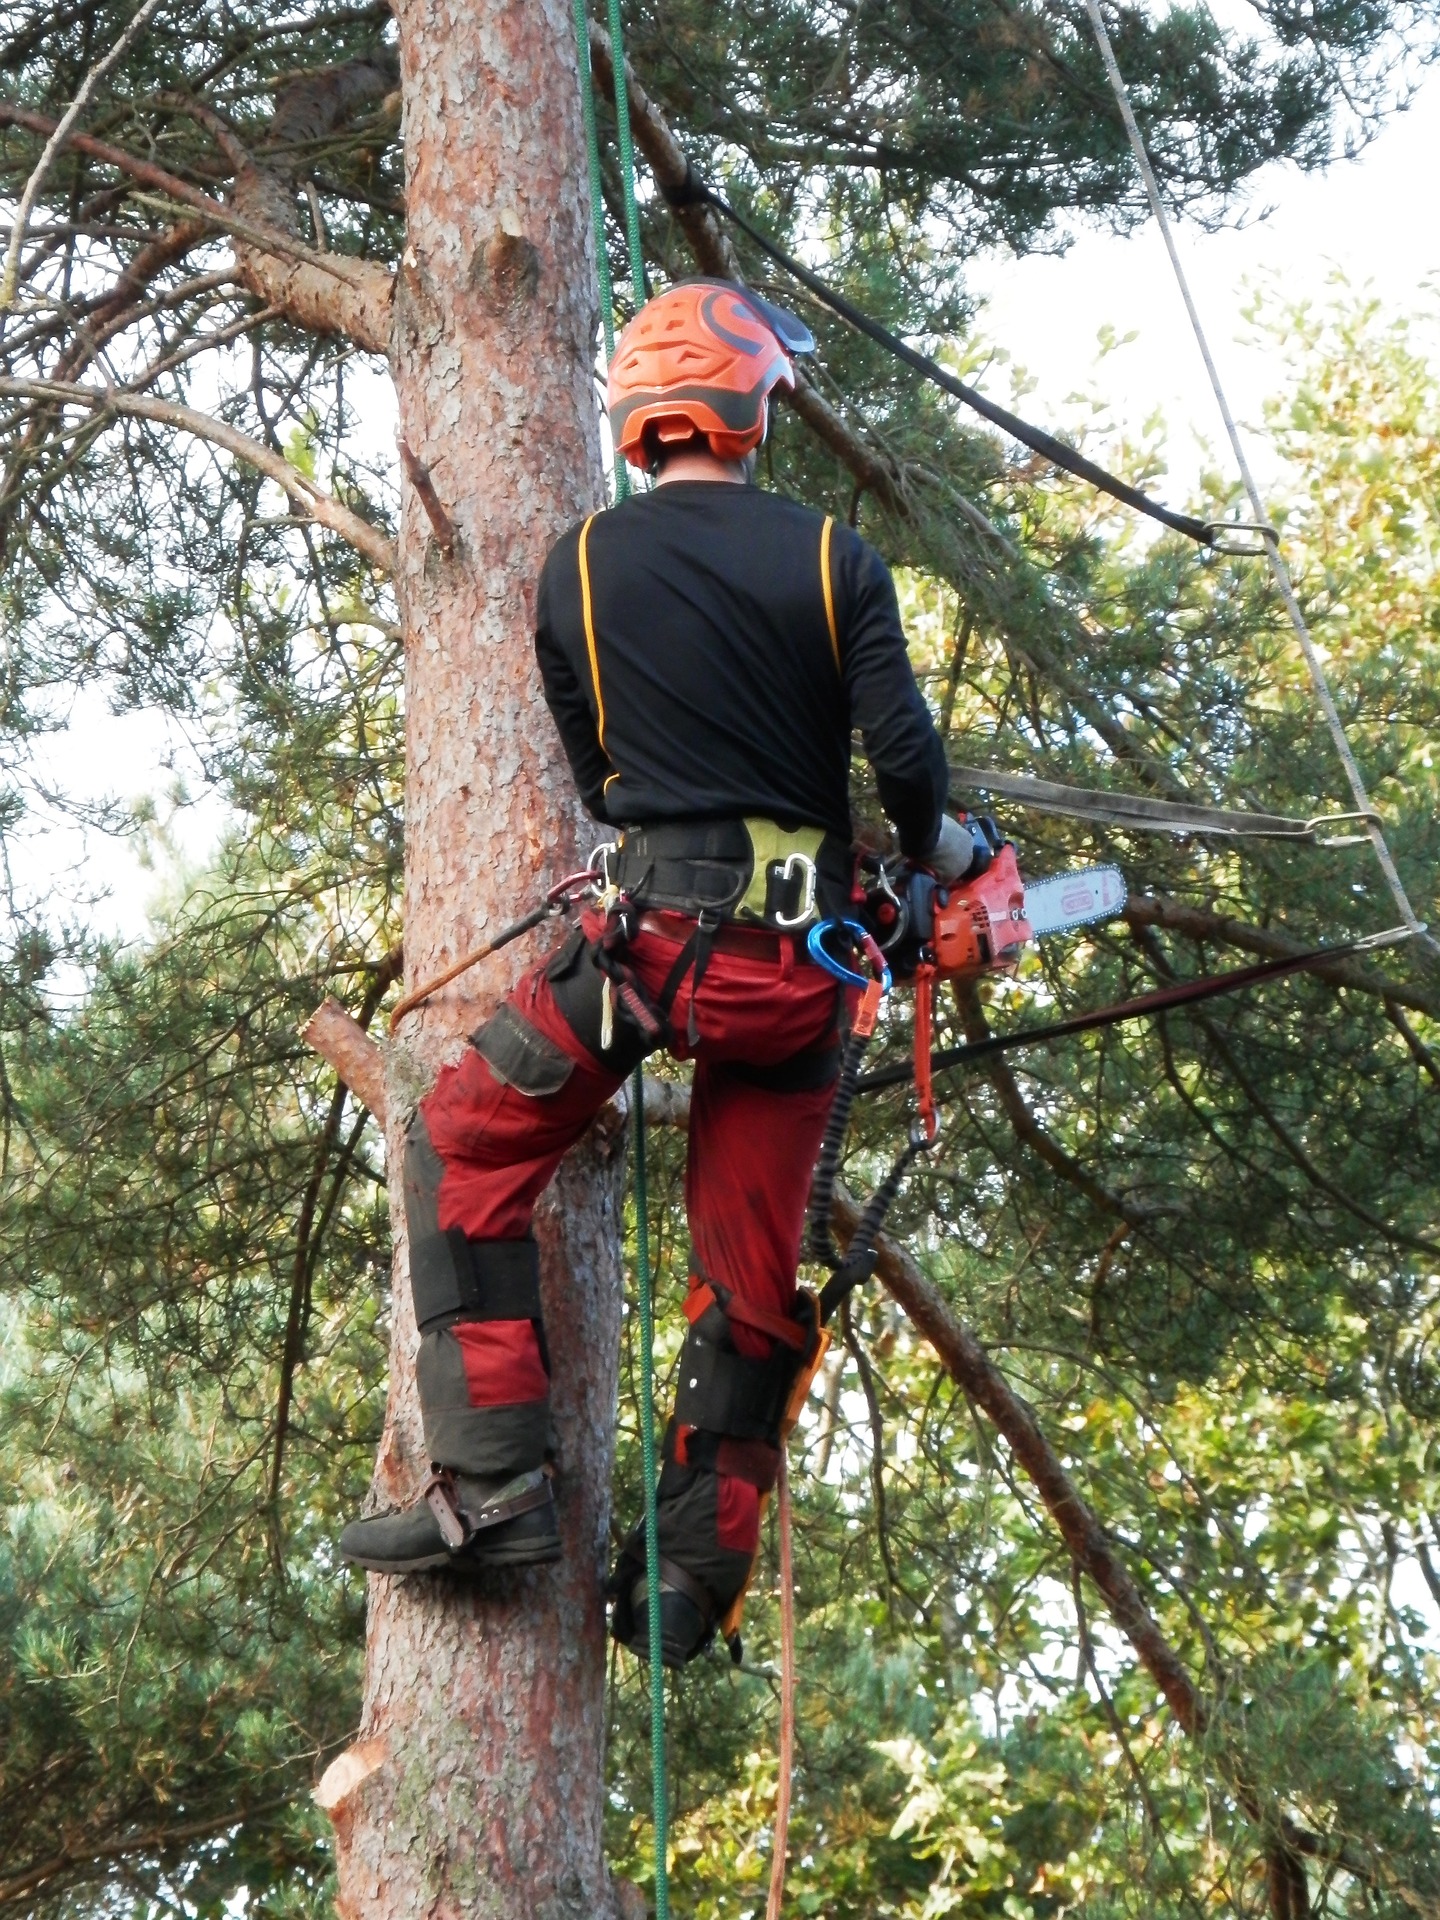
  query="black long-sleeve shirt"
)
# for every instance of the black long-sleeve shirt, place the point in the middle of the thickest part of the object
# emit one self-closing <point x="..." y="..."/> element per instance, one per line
<point x="706" y="650"/>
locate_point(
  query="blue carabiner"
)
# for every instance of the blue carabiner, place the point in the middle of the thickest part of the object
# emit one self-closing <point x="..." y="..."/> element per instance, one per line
<point x="815" y="944"/>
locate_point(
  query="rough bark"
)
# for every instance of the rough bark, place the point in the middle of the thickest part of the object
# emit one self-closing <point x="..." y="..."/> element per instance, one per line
<point x="484" y="1703"/>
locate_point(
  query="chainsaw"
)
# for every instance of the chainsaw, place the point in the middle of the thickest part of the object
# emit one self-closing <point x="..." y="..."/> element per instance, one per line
<point x="981" y="923"/>
<point x="913" y="927"/>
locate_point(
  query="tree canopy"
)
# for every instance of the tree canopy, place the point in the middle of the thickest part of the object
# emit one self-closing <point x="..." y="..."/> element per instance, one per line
<point x="1203" y="1252"/>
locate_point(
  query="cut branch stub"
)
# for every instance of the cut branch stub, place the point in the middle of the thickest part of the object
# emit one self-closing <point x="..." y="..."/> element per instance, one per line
<point x="341" y="1041"/>
<point x="419" y="478"/>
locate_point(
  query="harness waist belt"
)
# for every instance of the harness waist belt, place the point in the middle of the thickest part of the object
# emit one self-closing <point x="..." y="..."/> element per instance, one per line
<point x="753" y="871"/>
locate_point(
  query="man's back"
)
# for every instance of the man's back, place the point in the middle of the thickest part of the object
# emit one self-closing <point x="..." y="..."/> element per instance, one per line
<point x="707" y="648"/>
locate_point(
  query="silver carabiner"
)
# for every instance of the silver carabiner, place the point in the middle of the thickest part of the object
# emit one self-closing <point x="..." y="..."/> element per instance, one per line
<point x="802" y="863"/>
<point x="605" y="891"/>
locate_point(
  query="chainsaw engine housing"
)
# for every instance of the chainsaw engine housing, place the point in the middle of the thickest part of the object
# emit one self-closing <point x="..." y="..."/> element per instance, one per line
<point x="964" y="928"/>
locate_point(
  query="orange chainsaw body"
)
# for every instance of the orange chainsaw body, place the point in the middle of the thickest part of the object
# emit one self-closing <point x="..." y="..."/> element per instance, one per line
<point x="980" y="925"/>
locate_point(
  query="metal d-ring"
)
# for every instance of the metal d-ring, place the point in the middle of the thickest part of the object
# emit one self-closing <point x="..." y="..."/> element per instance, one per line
<point x="1265" y="535"/>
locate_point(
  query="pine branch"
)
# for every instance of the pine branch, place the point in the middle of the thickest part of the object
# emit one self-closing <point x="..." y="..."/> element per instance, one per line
<point x="311" y="501"/>
<point x="353" y="297"/>
<point x="55" y="144"/>
<point x="151" y="1840"/>
<point x="1028" y="1130"/>
<point x="1199" y="923"/>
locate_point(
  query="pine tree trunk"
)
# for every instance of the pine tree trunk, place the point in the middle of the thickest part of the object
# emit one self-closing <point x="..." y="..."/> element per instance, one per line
<point x="479" y="1773"/>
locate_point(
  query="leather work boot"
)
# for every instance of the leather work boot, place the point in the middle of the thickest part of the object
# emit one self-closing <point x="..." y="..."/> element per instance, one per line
<point x="687" y="1619"/>
<point x="467" y="1522"/>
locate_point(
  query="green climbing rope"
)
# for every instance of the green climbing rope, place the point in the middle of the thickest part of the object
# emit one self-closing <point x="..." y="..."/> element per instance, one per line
<point x="627" y="156"/>
<point x="592" y="157"/>
<point x="652" y="1543"/>
<point x="637" y="1085"/>
<point x="597" y="198"/>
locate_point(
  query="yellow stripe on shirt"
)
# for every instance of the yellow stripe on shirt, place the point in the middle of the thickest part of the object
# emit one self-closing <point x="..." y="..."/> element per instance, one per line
<point x="588" y="616"/>
<point x="825" y="533"/>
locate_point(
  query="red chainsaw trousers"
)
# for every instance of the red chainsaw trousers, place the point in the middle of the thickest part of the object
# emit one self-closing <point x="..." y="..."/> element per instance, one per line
<point x="501" y="1119"/>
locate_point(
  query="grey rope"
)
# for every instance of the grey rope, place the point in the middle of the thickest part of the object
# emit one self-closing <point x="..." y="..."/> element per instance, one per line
<point x="1270" y="540"/>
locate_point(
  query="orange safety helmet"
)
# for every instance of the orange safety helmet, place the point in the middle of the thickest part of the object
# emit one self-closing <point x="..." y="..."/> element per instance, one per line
<point x="702" y="358"/>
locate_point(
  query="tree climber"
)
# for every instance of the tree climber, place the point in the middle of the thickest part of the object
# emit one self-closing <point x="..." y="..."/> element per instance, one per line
<point x="706" y="649"/>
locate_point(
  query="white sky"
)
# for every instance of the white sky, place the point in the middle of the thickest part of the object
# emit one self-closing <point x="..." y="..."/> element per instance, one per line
<point x="1372" y="219"/>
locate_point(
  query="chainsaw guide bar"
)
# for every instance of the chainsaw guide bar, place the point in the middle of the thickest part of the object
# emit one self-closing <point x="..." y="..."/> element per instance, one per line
<point x="1068" y="901"/>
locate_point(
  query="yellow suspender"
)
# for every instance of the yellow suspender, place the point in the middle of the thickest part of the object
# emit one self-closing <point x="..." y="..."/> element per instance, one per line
<point x="825" y="533"/>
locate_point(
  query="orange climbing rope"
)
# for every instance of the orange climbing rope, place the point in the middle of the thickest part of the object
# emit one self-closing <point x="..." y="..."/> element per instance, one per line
<point x="787" y="1693"/>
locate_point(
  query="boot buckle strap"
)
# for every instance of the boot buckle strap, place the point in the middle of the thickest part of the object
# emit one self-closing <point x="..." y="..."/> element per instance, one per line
<point x="438" y="1493"/>
<point x="523" y="1495"/>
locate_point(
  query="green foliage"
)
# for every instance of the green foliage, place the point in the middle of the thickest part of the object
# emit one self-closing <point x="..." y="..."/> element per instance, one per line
<point x="1205" y="1251"/>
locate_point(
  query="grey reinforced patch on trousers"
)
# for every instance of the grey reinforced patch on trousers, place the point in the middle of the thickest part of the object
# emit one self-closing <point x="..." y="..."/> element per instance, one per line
<point x="434" y="1283"/>
<point x="687" y="1522"/>
<point x="520" y="1056"/>
<point x="513" y="1439"/>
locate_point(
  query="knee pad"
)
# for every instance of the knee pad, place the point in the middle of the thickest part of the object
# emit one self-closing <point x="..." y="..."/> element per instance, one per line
<point x="452" y="1276"/>
<point x="731" y="1411"/>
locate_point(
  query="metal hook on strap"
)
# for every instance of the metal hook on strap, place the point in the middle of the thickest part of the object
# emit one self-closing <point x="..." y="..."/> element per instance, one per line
<point x="1265" y="537"/>
<point x="864" y="939"/>
<point x="802" y="864"/>
<point x="1390" y="937"/>
<point x="1367" y="814"/>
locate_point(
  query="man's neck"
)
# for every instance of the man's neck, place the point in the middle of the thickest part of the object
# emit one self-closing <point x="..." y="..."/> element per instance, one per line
<point x="693" y="463"/>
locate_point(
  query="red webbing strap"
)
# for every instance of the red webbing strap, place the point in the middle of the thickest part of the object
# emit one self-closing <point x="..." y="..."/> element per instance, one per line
<point x="924" y="1070"/>
<point x="701" y="1298"/>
